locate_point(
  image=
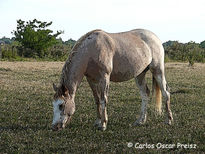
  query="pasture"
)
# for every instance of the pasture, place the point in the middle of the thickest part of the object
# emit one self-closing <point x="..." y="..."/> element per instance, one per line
<point x="26" y="112"/>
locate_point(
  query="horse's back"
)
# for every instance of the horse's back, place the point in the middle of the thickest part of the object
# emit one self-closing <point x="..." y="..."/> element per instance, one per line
<point x="133" y="53"/>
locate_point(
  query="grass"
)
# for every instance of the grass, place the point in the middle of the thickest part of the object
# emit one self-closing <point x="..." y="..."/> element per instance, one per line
<point x="26" y="113"/>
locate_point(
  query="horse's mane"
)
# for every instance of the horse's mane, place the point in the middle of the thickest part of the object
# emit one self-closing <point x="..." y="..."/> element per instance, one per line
<point x="74" y="50"/>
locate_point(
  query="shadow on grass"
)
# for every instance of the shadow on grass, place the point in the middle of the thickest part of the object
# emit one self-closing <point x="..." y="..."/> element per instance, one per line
<point x="181" y="91"/>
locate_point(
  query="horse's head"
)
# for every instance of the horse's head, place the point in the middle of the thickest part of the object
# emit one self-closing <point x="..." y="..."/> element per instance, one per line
<point x="63" y="108"/>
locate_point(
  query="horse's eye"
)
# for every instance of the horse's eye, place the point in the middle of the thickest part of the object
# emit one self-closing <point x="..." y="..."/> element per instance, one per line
<point x="60" y="106"/>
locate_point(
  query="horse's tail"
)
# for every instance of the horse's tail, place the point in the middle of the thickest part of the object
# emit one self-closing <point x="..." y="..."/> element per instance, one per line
<point x="155" y="86"/>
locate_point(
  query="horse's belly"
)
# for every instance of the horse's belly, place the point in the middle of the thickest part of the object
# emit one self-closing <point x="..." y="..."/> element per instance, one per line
<point x="128" y="66"/>
<point x="120" y="77"/>
<point x="122" y="71"/>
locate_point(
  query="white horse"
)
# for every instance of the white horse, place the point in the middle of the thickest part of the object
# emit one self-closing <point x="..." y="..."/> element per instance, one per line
<point x="103" y="57"/>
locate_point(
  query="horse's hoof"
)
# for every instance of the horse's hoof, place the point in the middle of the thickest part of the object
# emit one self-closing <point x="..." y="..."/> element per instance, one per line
<point x="168" y="122"/>
<point x="138" y="123"/>
<point x="97" y="123"/>
<point x="102" y="128"/>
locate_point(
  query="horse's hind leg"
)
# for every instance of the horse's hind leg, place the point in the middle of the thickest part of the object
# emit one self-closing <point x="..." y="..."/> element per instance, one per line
<point x="93" y="86"/>
<point x="144" y="92"/>
<point x="161" y="81"/>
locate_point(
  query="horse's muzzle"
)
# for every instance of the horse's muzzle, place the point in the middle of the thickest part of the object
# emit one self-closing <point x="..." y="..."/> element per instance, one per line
<point x="57" y="127"/>
<point x="60" y="125"/>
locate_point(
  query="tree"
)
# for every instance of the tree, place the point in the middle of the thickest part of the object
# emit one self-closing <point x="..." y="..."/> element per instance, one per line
<point x="5" y="40"/>
<point x="202" y="44"/>
<point x="35" y="37"/>
<point x="70" y="42"/>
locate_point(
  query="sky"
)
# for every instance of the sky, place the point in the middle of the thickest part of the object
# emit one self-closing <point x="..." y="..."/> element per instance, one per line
<point x="180" y="20"/>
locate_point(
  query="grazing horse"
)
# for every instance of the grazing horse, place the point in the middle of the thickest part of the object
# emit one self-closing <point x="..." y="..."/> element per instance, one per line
<point x="103" y="57"/>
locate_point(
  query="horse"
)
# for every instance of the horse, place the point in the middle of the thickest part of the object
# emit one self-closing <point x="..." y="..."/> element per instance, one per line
<point x="103" y="57"/>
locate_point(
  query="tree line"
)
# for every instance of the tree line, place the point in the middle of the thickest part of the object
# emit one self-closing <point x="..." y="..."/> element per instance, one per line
<point x="34" y="39"/>
<point x="189" y="52"/>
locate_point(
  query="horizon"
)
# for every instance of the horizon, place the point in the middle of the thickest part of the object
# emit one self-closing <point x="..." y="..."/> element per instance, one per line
<point x="182" y="21"/>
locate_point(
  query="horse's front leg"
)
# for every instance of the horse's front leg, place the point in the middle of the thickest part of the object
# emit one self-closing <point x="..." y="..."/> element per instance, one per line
<point x="144" y="92"/>
<point x="103" y="89"/>
<point x="96" y="95"/>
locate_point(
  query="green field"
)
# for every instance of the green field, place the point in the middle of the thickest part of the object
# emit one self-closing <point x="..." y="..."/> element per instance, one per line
<point x="26" y="113"/>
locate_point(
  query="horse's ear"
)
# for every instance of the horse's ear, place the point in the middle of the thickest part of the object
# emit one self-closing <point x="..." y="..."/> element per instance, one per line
<point x="65" y="91"/>
<point x="55" y="87"/>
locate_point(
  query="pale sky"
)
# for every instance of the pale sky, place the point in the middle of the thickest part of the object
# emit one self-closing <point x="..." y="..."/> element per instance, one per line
<point x="182" y="20"/>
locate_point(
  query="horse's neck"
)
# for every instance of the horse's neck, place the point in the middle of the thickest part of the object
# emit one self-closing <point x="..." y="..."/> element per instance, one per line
<point x="73" y="72"/>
